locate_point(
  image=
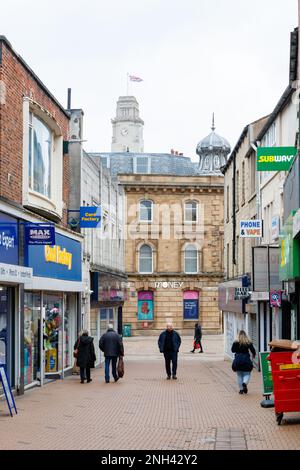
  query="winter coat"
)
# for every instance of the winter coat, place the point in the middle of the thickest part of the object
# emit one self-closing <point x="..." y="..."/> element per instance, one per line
<point x="198" y="333"/>
<point x="111" y="344"/>
<point x="86" y="356"/>
<point x="162" y="340"/>
<point x="242" y="361"/>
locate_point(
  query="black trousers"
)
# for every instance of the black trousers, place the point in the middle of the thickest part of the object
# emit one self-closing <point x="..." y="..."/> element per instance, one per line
<point x="85" y="373"/>
<point x="171" y="357"/>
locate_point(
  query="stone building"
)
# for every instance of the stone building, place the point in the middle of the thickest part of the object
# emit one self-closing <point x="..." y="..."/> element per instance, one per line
<point x="173" y="234"/>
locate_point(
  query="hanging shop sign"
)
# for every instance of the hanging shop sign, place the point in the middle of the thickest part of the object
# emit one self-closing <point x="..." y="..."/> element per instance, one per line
<point x="90" y="217"/>
<point x="61" y="261"/>
<point x="241" y="293"/>
<point x="251" y="229"/>
<point x="39" y="234"/>
<point x="275" y="299"/>
<point x="145" y="306"/>
<point x="275" y="230"/>
<point x="275" y="158"/>
<point x="290" y="250"/>
<point x="7" y="391"/>
<point x="9" y="240"/>
<point x="191" y="305"/>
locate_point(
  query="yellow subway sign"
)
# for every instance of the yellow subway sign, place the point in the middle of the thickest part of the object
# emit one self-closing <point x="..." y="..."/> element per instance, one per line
<point x="275" y="158"/>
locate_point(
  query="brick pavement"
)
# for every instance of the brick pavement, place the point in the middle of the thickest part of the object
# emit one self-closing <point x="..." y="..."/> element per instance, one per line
<point x="202" y="410"/>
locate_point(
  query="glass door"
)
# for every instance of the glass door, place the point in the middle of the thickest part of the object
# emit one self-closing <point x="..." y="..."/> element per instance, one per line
<point x="53" y="333"/>
<point x="32" y="346"/>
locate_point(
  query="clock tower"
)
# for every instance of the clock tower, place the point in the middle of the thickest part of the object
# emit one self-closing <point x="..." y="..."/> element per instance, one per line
<point x="127" y="127"/>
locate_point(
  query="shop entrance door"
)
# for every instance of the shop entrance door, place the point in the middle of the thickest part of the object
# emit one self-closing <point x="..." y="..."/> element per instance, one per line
<point x="7" y="330"/>
<point x="53" y="335"/>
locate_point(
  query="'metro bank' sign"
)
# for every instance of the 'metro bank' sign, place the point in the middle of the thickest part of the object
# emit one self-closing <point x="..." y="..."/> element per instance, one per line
<point x="275" y="158"/>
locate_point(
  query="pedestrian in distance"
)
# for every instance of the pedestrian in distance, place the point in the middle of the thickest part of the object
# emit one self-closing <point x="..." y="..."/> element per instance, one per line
<point x="198" y="338"/>
<point x="111" y="345"/>
<point x="169" y="343"/>
<point x="243" y="364"/>
<point x="84" y="352"/>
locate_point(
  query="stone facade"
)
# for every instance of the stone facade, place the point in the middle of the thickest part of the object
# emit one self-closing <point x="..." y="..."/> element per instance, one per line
<point x="168" y="235"/>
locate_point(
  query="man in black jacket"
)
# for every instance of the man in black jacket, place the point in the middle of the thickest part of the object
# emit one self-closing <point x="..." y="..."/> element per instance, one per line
<point x="169" y="343"/>
<point x="112" y="345"/>
<point x="85" y="356"/>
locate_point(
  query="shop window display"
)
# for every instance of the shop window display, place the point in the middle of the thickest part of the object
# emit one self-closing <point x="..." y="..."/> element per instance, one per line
<point x="53" y="333"/>
<point x="69" y="329"/>
<point x="3" y="325"/>
<point x="32" y="315"/>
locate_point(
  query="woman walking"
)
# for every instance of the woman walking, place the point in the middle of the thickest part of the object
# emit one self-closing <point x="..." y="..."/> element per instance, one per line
<point x="85" y="355"/>
<point x="242" y="363"/>
<point x="198" y="338"/>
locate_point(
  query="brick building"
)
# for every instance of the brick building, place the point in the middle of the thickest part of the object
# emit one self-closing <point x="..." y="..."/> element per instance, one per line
<point x="39" y="285"/>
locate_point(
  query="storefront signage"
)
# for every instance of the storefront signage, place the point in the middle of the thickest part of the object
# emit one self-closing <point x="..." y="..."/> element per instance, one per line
<point x="259" y="296"/>
<point x="56" y="254"/>
<point x="7" y="391"/>
<point x="145" y="306"/>
<point x="39" y="234"/>
<point x="62" y="261"/>
<point x="168" y="285"/>
<point x="296" y="224"/>
<point x="9" y="245"/>
<point x="251" y="229"/>
<point x="275" y="227"/>
<point x="266" y="371"/>
<point x="15" y="274"/>
<point x="275" y="299"/>
<point x="90" y="217"/>
<point x="109" y="288"/>
<point x="241" y="293"/>
<point x="266" y="269"/>
<point x="227" y="301"/>
<point x="289" y="259"/>
<point x="275" y="158"/>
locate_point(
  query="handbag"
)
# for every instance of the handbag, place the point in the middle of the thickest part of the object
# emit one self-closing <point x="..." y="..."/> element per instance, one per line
<point x="121" y="367"/>
<point x="75" y="353"/>
<point x="196" y="344"/>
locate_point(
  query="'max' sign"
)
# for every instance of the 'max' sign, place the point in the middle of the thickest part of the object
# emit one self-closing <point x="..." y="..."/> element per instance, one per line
<point x="251" y="229"/>
<point x="275" y="158"/>
<point x="40" y="234"/>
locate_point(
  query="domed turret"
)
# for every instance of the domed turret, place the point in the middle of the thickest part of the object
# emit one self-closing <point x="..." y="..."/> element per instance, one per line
<point x="213" y="151"/>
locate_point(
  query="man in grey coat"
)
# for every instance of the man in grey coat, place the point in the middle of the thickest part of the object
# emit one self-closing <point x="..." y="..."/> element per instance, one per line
<point x="112" y="345"/>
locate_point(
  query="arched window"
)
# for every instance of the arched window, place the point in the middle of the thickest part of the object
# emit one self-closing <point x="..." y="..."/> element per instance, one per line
<point x="190" y="211"/>
<point x="191" y="260"/>
<point x="146" y="260"/>
<point x="146" y="211"/>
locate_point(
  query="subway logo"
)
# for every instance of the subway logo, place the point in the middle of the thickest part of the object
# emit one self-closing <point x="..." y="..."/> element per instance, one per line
<point x="275" y="158"/>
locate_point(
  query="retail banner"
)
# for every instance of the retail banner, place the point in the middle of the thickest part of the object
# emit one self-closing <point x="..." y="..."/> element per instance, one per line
<point x="9" y="240"/>
<point x="275" y="158"/>
<point x="191" y="309"/>
<point x="39" y="234"/>
<point x="7" y="391"/>
<point x="90" y="217"/>
<point x="266" y="371"/>
<point x="145" y="306"/>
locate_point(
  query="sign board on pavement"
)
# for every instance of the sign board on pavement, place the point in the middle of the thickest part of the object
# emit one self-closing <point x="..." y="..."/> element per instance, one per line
<point x="266" y="373"/>
<point x="7" y="391"/>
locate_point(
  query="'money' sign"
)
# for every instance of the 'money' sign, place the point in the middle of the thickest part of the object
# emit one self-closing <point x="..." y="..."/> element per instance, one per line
<point x="275" y="158"/>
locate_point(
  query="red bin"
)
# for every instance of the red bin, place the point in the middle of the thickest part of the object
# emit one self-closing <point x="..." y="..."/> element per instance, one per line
<point x="286" y="380"/>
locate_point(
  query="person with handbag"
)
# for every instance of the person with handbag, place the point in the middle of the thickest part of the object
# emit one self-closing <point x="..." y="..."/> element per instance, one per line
<point x="84" y="352"/>
<point x="112" y="345"/>
<point x="243" y="364"/>
<point x="198" y="338"/>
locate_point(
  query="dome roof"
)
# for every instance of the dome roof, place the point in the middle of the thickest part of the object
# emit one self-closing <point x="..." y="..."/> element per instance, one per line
<point x="213" y="143"/>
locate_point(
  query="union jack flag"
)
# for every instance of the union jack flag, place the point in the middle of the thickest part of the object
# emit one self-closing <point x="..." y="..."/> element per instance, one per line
<point x="135" y="79"/>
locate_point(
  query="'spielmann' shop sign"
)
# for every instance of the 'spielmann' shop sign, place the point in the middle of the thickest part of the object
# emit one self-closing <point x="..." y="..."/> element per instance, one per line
<point x="275" y="158"/>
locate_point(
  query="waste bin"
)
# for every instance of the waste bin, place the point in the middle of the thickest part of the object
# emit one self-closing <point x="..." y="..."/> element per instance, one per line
<point x="127" y="331"/>
<point x="286" y="379"/>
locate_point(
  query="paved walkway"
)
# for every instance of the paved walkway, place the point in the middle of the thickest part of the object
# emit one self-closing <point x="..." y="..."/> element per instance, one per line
<point x="202" y="410"/>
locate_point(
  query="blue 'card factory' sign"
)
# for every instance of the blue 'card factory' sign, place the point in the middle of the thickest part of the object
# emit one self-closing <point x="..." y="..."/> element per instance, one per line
<point x="90" y="217"/>
<point x="39" y="234"/>
<point x="9" y="243"/>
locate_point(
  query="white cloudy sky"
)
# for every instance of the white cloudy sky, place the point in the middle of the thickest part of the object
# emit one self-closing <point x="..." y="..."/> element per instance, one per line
<point x="195" y="56"/>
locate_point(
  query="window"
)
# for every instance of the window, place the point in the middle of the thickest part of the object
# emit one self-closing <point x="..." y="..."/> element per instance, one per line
<point x="253" y="174"/>
<point x="237" y="191"/>
<point x="40" y="152"/>
<point x="243" y="183"/>
<point x="191" y="260"/>
<point x="142" y="165"/>
<point x="191" y="305"/>
<point x="227" y="203"/>
<point x="228" y="261"/>
<point x="145" y="306"/>
<point x="190" y="213"/>
<point x="146" y="211"/>
<point x="146" y="259"/>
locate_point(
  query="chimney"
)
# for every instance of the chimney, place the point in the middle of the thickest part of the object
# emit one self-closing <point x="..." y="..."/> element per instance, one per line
<point x="69" y="98"/>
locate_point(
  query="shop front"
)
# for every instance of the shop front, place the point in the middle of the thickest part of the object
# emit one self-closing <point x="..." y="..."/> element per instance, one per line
<point x="52" y="309"/>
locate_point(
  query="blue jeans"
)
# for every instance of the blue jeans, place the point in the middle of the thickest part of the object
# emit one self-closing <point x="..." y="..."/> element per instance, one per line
<point x="113" y="361"/>
<point x="243" y="378"/>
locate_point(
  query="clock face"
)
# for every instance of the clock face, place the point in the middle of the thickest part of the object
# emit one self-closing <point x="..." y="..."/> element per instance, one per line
<point x="124" y="131"/>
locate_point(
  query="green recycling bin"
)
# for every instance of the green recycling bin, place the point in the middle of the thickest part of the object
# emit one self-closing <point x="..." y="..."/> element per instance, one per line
<point x="127" y="331"/>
